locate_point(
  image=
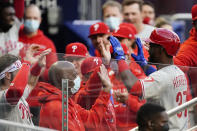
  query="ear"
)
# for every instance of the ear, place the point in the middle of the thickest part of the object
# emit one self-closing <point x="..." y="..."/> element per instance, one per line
<point x="40" y="20"/>
<point x="149" y="123"/>
<point x="8" y="76"/>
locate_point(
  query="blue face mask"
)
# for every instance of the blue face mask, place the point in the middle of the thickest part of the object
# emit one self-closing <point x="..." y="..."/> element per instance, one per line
<point x="31" y="25"/>
<point x="113" y="22"/>
<point x="76" y="87"/>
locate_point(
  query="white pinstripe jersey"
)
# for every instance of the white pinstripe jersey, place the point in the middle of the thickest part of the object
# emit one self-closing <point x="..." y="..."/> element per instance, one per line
<point x="9" y="40"/>
<point x="17" y="113"/>
<point x="168" y="86"/>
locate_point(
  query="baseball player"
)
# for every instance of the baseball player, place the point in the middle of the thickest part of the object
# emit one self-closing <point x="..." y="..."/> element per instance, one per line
<point x="15" y="87"/>
<point x="125" y="118"/>
<point x="99" y="31"/>
<point x="87" y="94"/>
<point x="167" y="86"/>
<point x="76" y="52"/>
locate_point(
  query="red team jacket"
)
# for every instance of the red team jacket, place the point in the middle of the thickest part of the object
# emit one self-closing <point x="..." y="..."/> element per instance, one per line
<point x="187" y="56"/>
<point x="86" y="98"/>
<point x="78" y="117"/>
<point x="44" y="43"/>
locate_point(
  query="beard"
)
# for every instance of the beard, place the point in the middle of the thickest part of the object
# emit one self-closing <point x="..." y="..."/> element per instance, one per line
<point x="153" y="60"/>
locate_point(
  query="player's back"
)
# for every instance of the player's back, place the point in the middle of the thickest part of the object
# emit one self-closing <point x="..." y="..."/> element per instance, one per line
<point x="173" y="94"/>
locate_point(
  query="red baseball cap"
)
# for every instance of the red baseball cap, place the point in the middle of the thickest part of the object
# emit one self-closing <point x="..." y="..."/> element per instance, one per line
<point x="194" y="12"/>
<point x="90" y="64"/>
<point x="129" y="25"/>
<point x="76" y="49"/>
<point x="98" y="28"/>
<point x="124" y="32"/>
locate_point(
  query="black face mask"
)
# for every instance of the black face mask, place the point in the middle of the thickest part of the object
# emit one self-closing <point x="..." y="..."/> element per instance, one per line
<point x="165" y="127"/>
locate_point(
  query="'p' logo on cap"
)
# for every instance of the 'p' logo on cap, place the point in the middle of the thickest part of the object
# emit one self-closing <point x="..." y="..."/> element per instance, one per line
<point x="74" y="47"/>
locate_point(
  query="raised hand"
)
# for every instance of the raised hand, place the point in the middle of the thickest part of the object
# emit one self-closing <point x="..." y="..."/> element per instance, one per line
<point x="42" y="57"/>
<point x="103" y="74"/>
<point x="140" y="55"/>
<point x="105" y="51"/>
<point x="32" y="49"/>
<point x="118" y="51"/>
<point x="121" y="97"/>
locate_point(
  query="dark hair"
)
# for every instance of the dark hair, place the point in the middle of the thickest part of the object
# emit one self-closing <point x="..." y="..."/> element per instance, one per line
<point x="149" y="4"/>
<point x="146" y="112"/>
<point x="131" y="2"/>
<point x="4" y="5"/>
<point x="5" y="61"/>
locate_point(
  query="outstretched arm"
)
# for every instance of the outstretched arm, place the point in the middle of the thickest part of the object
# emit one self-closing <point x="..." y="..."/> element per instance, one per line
<point x="39" y="63"/>
<point x="140" y="59"/>
<point x="127" y="76"/>
<point x="17" y="86"/>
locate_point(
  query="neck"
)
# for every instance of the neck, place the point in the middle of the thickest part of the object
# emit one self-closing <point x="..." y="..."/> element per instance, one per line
<point x="165" y="63"/>
<point x="139" y="27"/>
<point x="30" y="34"/>
<point x="143" y="129"/>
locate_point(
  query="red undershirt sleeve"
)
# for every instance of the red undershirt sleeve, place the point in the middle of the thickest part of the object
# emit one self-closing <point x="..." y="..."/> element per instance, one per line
<point x="17" y="86"/>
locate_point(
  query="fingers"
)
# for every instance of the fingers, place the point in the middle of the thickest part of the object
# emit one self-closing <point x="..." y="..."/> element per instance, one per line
<point x="114" y="41"/>
<point x="46" y="52"/>
<point x="33" y="47"/>
<point x="108" y="47"/>
<point x="101" y="73"/>
<point x="101" y="46"/>
<point x="117" y="95"/>
<point x="139" y="45"/>
<point x="42" y="57"/>
<point x="134" y="56"/>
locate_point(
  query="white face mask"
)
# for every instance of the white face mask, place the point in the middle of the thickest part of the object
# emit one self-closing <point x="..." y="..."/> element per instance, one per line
<point x="31" y="25"/>
<point x="76" y="87"/>
<point x="113" y="22"/>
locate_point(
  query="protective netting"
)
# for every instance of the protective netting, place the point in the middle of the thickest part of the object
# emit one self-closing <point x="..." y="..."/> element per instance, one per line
<point x="81" y="102"/>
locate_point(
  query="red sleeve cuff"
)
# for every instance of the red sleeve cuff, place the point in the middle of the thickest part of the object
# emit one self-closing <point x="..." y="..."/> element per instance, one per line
<point x="122" y="65"/>
<point x="133" y="103"/>
<point x="105" y="96"/>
